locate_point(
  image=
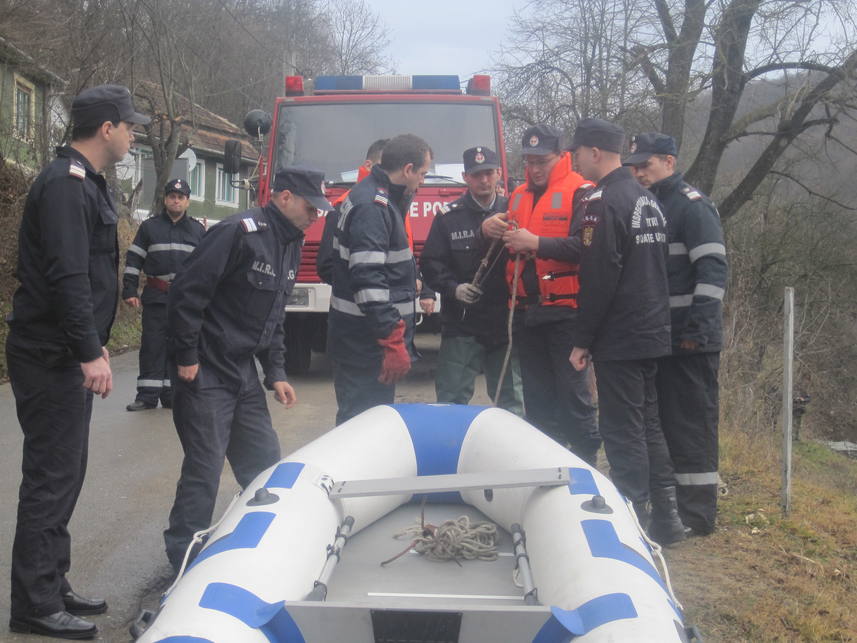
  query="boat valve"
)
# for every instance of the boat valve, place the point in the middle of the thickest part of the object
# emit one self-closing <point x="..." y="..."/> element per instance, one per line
<point x="598" y="505"/>
<point x="262" y="497"/>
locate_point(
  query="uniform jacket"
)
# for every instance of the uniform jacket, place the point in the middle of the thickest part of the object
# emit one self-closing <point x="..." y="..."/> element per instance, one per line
<point x="159" y="249"/>
<point x="68" y="261"/>
<point x="374" y="273"/>
<point x="227" y="303"/>
<point x="624" y="298"/>
<point x="451" y="256"/>
<point x="548" y="283"/>
<point x="696" y="267"/>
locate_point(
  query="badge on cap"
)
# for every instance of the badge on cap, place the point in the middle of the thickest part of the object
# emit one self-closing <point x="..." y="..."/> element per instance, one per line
<point x="534" y="141"/>
<point x="480" y="157"/>
<point x="633" y="147"/>
<point x="178" y="185"/>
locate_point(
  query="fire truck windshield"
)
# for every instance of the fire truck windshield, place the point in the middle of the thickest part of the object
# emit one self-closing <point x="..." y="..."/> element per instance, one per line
<point x="334" y="137"/>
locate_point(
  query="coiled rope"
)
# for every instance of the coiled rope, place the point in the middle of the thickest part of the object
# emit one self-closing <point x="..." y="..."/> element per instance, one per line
<point x="451" y="540"/>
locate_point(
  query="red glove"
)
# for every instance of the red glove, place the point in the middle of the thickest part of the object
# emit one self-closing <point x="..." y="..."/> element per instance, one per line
<point x="396" y="362"/>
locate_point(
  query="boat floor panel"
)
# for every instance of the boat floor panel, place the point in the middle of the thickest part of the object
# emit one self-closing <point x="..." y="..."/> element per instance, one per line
<point x="414" y="579"/>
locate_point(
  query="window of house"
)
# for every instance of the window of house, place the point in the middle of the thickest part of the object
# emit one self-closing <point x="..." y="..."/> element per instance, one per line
<point x="24" y="108"/>
<point x="196" y="179"/>
<point x="226" y="193"/>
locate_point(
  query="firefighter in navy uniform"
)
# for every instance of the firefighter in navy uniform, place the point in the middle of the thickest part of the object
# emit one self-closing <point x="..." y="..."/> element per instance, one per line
<point x="68" y="266"/>
<point x="473" y="331"/>
<point x="543" y="215"/>
<point x="688" y="392"/>
<point x="161" y="245"/>
<point x="226" y="308"/>
<point x="624" y="323"/>
<point x="371" y="322"/>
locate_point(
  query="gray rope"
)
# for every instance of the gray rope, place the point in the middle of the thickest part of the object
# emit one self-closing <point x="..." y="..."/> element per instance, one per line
<point x="454" y="539"/>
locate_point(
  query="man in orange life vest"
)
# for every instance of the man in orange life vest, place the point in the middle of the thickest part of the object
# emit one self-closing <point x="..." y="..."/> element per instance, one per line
<point x="541" y="227"/>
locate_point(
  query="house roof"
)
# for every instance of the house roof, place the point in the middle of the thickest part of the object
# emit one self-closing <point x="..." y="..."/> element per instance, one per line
<point x="27" y="64"/>
<point x="203" y="129"/>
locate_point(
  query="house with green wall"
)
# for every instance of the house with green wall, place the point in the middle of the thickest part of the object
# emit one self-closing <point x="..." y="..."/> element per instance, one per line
<point x="214" y="193"/>
<point x="31" y="112"/>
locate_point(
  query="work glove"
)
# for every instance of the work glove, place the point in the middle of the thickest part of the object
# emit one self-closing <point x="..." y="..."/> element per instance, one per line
<point x="396" y="361"/>
<point x="468" y="293"/>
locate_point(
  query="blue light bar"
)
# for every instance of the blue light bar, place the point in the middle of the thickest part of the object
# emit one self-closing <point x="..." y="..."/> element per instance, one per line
<point x="435" y="82"/>
<point x="389" y="83"/>
<point x="329" y="83"/>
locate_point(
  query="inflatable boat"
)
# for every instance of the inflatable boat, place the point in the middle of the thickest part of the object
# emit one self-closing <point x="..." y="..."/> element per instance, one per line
<point x="298" y="555"/>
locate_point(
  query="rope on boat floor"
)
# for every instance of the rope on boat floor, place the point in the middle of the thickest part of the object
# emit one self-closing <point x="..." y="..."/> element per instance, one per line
<point x="453" y="540"/>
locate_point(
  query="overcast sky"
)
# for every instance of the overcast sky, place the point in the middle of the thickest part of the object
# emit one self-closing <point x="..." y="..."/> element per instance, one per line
<point x="445" y="36"/>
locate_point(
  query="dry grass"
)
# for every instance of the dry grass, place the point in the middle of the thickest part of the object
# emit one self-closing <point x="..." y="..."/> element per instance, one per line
<point x="763" y="577"/>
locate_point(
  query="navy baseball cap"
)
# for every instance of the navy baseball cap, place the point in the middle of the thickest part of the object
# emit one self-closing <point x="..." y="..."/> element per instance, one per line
<point x="304" y="182"/>
<point x="177" y="185"/>
<point x="477" y="159"/>
<point x="97" y="105"/>
<point x="596" y="132"/>
<point x="540" y="140"/>
<point x="644" y="146"/>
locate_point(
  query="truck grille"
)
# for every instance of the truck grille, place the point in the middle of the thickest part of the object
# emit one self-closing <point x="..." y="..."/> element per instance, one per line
<point x="306" y="272"/>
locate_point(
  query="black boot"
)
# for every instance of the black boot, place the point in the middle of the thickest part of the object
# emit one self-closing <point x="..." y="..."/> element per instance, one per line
<point x="665" y="527"/>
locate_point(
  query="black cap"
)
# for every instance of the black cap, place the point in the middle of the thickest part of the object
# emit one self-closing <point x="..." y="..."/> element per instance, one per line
<point x="113" y="103"/>
<point x="304" y="182"/>
<point x="540" y="140"/>
<point x="643" y="146"/>
<point x="477" y="159"/>
<point x="595" y="132"/>
<point x="177" y="185"/>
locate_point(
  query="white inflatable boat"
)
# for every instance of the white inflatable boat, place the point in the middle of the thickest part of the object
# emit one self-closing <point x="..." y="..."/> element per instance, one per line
<point x="297" y="556"/>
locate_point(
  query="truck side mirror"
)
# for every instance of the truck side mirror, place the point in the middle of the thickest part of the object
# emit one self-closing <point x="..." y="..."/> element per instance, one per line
<point x="232" y="156"/>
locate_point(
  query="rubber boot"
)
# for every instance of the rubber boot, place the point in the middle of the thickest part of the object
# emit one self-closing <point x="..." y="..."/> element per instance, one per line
<point x="665" y="527"/>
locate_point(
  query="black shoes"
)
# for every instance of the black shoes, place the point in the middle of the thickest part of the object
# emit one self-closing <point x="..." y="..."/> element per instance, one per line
<point x="138" y="405"/>
<point x="60" y="625"/>
<point x="665" y="526"/>
<point x="81" y="606"/>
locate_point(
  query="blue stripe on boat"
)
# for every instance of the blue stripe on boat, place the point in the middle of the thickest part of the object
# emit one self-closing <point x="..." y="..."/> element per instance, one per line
<point x="582" y="481"/>
<point x="271" y="619"/>
<point x="604" y="543"/>
<point x="246" y="535"/>
<point x="592" y="614"/>
<point x="437" y="433"/>
<point x="284" y="476"/>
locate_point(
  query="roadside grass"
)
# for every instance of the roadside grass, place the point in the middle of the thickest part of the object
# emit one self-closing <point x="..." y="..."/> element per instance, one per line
<point x="766" y="577"/>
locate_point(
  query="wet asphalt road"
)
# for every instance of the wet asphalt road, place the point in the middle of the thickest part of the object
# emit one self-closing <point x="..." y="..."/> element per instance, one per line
<point x="134" y="460"/>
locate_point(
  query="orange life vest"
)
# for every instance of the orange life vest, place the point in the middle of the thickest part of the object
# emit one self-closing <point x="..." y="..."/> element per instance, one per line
<point x="362" y="173"/>
<point x="550" y="217"/>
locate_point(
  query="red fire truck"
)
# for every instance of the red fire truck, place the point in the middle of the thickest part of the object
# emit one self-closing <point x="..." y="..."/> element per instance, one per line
<point x="329" y="124"/>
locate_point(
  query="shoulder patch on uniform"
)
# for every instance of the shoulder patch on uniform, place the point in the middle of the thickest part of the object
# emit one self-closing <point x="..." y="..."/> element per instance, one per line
<point x="593" y="196"/>
<point x="381" y="198"/>
<point x="691" y="193"/>
<point x="251" y="225"/>
<point x="77" y="170"/>
<point x="444" y="208"/>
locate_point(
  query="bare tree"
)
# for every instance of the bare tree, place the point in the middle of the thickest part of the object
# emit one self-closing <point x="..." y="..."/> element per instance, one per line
<point x="648" y="63"/>
<point x="359" y="38"/>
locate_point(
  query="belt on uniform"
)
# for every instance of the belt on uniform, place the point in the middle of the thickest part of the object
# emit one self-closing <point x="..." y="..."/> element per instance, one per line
<point x="158" y="284"/>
